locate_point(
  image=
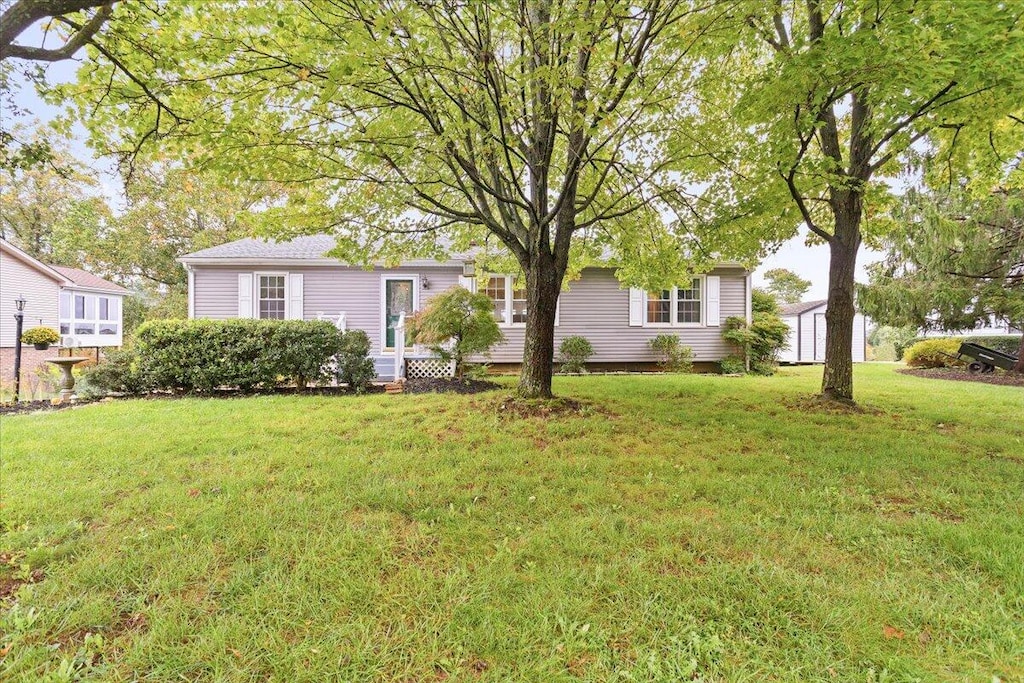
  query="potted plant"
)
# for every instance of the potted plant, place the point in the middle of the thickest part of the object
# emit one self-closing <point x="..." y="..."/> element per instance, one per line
<point x="40" y="337"/>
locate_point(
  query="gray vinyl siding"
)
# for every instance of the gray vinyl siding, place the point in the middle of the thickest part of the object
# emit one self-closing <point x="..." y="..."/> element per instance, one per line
<point x="594" y="306"/>
<point x="41" y="292"/>
<point x="329" y="290"/>
<point x="597" y="307"/>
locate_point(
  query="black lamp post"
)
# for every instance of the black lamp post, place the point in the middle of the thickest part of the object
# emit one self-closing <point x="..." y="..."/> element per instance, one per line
<point x="19" y="316"/>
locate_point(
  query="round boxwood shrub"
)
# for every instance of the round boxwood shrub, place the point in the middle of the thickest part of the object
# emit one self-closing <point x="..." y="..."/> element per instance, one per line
<point x="933" y="353"/>
<point x="672" y="355"/>
<point x="574" y="352"/>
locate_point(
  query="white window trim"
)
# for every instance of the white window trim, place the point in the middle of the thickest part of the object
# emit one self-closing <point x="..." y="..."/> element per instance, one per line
<point x="415" y="277"/>
<point x="509" y="285"/>
<point x="95" y="338"/>
<point x="674" y="307"/>
<point x="256" y="292"/>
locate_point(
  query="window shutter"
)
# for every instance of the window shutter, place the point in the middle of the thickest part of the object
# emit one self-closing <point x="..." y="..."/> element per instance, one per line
<point x="467" y="282"/>
<point x="245" y="295"/>
<point x="558" y="309"/>
<point x="636" y="307"/>
<point x="713" y="288"/>
<point x="295" y="311"/>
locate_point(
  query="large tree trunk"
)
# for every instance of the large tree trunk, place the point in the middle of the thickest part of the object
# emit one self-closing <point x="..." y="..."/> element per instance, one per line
<point x="543" y="283"/>
<point x="837" y="380"/>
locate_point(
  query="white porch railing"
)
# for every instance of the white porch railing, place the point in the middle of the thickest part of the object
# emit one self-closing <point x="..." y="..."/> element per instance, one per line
<point x="340" y="322"/>
<point x="400" y="347"/>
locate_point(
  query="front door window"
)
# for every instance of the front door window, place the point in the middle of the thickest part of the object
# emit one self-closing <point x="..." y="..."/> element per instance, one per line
<point x="398" y="299"/>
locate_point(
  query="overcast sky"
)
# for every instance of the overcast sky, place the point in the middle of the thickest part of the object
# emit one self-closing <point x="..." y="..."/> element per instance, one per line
<point x="810" y="263"/>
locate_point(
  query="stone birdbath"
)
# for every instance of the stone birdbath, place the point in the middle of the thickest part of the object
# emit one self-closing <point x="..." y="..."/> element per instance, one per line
<point x="67" y="380"/>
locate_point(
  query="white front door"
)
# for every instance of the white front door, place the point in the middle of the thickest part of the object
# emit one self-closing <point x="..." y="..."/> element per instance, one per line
<point x="819" y="336"/>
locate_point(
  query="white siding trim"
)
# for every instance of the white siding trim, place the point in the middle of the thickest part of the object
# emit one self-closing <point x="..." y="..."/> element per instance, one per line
<point x="750" y="299"/>
<point x="382" y="311"/>
<point x="467" y="282"/>
<point x="245" y="295"/>
<point x="294" y="297"/>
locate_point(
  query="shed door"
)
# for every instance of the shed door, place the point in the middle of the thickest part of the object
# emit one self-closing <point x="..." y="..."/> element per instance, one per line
<point x="819" y="336"/>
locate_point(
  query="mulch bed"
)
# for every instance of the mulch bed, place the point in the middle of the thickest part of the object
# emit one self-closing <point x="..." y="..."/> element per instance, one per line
<point x="449" y="386"/>
<point x="962" y="375"/>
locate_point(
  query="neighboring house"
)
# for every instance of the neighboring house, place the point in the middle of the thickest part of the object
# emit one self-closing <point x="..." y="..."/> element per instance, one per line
<point x="84" y="309"/>
<point x="254" y="278"/>
<point x="992" y="328"/>
<point x="806" y="339"/>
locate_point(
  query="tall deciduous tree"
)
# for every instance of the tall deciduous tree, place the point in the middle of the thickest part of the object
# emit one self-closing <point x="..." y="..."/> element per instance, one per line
<point x="828" y="96"/>
<point x="953" y="262"/>
<point x="544" y="130"/>
<point x="786" y="286"/>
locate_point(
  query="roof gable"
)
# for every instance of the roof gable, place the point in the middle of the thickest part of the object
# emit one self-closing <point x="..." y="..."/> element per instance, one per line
<point x="32" y="262"/>
<point x="84" y="279"/>
<point x="802" y="307"/>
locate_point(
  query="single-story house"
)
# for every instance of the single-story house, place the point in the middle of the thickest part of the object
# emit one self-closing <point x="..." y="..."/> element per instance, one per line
<point x="806" y="341"/>
<point x="992" y="327"/>
<point x="254" y="278"/>
<point x="84" y="309"/>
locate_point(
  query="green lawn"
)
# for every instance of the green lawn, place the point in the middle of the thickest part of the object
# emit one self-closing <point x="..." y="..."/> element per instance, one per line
<point x="690" y="527"/>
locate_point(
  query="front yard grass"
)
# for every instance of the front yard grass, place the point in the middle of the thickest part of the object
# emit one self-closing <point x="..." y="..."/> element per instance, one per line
<point x="685" y="528"/>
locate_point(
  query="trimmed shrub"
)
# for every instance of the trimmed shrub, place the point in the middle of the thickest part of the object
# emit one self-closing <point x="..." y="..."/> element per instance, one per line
<point x="202" y="355"/>
<point x="574" y="352"/>
<point x="355" y="367"/>
<point x="455" y="324"/>
<point x="1007" y="343"/>
<point x="118" y="373"/>
<point x="672" y="355"/>
<point x="933" y="353"/>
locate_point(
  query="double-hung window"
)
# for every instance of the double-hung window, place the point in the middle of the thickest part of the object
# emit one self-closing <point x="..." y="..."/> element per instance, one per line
<point x="272" y="300"/>
<point x="508" y="296"/>
<point x="682" y="305"/>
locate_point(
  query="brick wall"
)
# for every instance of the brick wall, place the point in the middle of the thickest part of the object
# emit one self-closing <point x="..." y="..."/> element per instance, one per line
<point x="38" y="378"/>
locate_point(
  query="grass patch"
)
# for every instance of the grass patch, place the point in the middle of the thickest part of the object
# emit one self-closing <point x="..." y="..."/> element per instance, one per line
<point x="678" y="528"/>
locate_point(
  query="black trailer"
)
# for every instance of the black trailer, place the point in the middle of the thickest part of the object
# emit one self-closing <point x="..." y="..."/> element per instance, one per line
<point x="985" y="359"/>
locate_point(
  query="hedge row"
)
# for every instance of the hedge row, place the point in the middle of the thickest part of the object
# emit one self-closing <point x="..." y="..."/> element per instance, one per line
<point x="203" y="355"/>
<point x="1007" y="343"/>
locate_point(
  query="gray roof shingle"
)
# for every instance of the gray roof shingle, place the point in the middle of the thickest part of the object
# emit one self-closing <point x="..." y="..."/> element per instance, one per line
<point x="310" y="247"/>
<point x="802" y="307"/>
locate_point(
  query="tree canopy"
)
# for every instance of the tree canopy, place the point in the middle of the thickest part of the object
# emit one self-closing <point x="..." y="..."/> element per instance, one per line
<point x="543" y="132"/>
<point x="822" y="102"/>
<point x="955" y="260"/>
<point x="786" y="286"/>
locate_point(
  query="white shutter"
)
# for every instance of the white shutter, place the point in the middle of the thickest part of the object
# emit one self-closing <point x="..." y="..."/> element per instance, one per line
<point x="467" y="282"/>
<point x="712" y="294"/>
<point x="245" y="289"/>
<point x="636" y="307"/>
<point x="295" y="311"/>
<point x="558" y="309"/>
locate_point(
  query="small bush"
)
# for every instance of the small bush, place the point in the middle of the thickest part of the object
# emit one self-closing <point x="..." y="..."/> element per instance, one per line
<point x="933" y="353"/>
<point x="574" y="352"/>
<point x="40" y="335"/>
<point x="733" y="365"/>
<point x="455" y="324"/>
<point x="760" y="341"/>
<point x="355" y="367"/>
<point x="672" y="355"/>
<point x="118" y="373"/>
